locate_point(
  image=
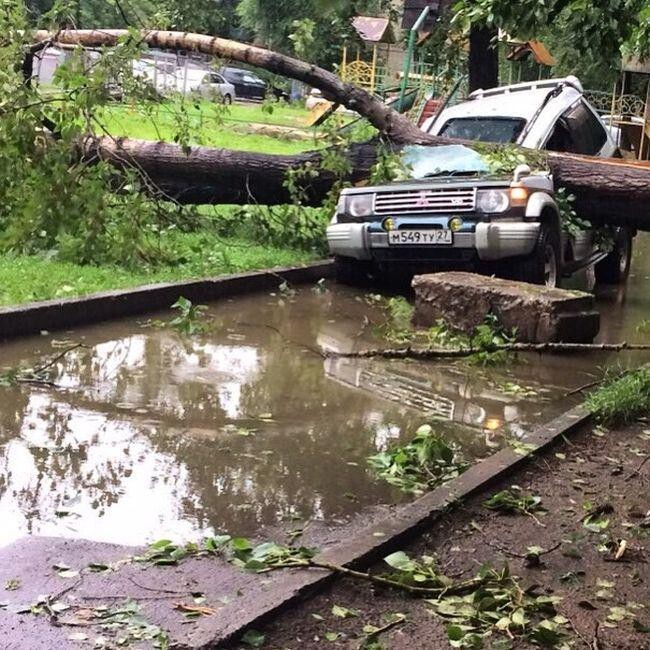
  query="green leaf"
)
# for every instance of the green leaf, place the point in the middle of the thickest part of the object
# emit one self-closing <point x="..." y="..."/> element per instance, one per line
<point x="332" y="636"/>
<point x="161" y="544"/>
<point x="399" y="561"/>
<point x="241" y="544"/>
<point x="213" y="544"/>
<point x="255" y="565"/>
<point x="519" y="617"/>
<point x="343" y="612"/>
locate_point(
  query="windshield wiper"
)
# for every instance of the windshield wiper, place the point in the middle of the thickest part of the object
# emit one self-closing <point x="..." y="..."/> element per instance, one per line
<point x="447" y="172"/>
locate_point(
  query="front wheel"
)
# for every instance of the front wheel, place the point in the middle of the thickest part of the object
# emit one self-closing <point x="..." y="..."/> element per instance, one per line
<point x="543" y="265"/>
<point x="227" y="100"/>
<point x="615" y="268"/>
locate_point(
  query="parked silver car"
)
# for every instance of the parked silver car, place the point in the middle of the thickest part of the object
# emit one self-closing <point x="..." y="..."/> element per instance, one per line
<point x="206" y="83"/>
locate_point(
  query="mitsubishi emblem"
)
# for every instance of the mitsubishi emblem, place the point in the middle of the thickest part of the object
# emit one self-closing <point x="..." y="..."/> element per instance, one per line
<point x="423" y="201"/>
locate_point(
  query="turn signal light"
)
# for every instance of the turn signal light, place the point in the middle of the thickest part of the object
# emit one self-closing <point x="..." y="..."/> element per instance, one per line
<point x="492" y="424"/>
<point x="518" y="196"/>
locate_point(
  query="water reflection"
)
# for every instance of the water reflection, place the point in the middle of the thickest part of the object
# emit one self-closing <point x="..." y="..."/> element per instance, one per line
<point x="150" y="435"/>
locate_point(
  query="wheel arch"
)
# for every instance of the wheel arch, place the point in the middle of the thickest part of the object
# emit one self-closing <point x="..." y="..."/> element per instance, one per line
<point x="542" y="206"/>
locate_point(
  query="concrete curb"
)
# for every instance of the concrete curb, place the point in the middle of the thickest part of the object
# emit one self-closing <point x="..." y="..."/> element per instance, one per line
<point x="388" y="535"/>
<point x="52" y="315"/>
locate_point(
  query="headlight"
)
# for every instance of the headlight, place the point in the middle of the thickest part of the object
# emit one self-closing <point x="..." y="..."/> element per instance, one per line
<point x="360" y="205"/>
<point x="492" y="200"/>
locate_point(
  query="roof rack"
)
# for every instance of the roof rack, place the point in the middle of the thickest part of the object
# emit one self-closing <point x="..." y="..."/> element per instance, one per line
<point x="572" y="81"/>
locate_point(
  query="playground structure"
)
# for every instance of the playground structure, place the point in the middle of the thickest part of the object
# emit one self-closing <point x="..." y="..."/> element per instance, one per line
<point x="381" y="65"/>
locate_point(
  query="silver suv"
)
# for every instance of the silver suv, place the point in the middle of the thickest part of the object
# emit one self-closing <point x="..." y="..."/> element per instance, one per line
<point x="454" y="213"/>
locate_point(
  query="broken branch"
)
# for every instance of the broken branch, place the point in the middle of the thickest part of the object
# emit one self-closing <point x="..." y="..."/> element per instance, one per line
<point x="451" y="353"/>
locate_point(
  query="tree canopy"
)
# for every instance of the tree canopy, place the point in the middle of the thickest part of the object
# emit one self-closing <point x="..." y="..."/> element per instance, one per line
<point x="588" y="38"/>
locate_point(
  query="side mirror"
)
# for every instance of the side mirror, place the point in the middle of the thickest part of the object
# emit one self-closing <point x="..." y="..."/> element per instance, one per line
<point x="521" y="171"/>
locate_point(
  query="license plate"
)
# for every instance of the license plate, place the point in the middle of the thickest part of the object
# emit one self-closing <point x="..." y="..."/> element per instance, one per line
<point x="420" y="237"/>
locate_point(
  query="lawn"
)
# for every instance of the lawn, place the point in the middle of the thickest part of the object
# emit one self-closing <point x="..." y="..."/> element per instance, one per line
<point x="29" y="278"/>
<point x="26" y="278"/>
<point x="210" y="124"/>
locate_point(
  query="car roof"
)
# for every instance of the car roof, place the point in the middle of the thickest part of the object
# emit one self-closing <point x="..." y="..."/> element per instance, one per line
<point x="518" y="101"/>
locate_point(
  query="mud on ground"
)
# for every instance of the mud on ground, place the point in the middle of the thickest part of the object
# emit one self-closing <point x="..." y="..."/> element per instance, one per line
<point x="594" y="468"/>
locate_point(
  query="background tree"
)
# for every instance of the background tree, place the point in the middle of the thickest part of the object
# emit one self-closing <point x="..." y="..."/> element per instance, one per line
<point x="272" y="24"/>
<point x="217" y="17"/>
<point x="596" y="31"/>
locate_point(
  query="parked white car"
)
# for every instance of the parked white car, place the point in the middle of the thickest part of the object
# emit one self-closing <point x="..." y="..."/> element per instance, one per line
<point x="455" y="213"/>
<point x="206" y="83"/>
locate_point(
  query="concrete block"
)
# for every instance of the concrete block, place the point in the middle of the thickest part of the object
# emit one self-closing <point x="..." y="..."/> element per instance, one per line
<point x="539" y="314"/>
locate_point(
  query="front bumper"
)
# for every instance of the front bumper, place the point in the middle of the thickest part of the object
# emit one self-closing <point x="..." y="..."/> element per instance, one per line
<point x="489" y="241"/>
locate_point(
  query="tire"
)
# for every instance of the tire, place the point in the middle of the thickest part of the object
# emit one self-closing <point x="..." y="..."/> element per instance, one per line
<point x="227" y="100"/>
<point x="615" y="268"/>
<point x="543" y="265"/>
<point x="352" y="272"/>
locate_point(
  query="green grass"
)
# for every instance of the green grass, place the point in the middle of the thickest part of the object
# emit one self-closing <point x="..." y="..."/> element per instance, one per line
<point x="29" y="278"/>
<point x="209" y="125"/>
<point x="621" y="400"/>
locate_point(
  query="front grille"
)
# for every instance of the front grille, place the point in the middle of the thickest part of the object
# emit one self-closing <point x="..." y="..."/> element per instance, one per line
<point x="423" y="201"/>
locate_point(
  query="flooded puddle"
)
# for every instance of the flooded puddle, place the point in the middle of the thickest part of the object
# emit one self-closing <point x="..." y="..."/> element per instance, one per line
<point x="149" y="434"/>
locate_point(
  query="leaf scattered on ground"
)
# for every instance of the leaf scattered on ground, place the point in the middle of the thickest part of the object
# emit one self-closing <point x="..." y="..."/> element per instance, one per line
<point x="422" y="464"/>
<point x="343" y="612"/>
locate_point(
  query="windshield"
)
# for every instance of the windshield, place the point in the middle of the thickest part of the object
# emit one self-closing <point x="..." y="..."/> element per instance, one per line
<point x="485" y="129"/>
<point x="446" y="160"/>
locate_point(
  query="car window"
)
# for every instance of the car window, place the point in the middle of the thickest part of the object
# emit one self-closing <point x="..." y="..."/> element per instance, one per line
<point x="586" y="133"/>
<point x="560" y="138"/>
<point x="217" y="79"/>
<point x="485" y="129"/>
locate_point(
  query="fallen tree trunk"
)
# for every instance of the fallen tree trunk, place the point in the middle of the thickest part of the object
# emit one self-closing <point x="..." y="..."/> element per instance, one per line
<point x="204" y="175"/>
<point x="607" y="191"/>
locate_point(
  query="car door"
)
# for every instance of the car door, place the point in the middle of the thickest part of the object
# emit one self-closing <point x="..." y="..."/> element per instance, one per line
<point x="205" y="87"/>
<point x="580" y="130"/>
<point x="236" y="78"/>
<point x="217" y="84"/>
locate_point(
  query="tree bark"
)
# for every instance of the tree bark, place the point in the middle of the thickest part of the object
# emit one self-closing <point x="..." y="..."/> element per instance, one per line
<point x="483" y="58"/>
<point x="607" y="191"/>
<point x="205" y="175"/>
